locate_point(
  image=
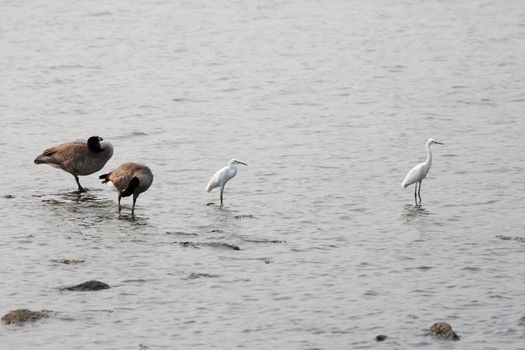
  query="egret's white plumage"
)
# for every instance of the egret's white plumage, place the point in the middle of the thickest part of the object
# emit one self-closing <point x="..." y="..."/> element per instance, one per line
<point x="222" y="176"/>
<point x="420" y="171"/>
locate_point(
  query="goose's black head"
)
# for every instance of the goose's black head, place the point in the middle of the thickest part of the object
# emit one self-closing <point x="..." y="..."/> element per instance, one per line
<point x="94" y="144"/>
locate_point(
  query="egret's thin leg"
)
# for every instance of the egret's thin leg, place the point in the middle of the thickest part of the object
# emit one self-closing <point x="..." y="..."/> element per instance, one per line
<point x="119" y="207"/>
<point x="80" y="188"/>
<point x="419" y="191"/>
<point x="222" y="191"/>
<point x="415" y="193"/>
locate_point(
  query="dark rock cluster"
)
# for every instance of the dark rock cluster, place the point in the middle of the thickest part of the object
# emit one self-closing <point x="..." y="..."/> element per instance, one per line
<point x="87" y="286"/>
<point x="443" y="330"/>
<point x="210" y="244"/>
<point x="21" y="316"/>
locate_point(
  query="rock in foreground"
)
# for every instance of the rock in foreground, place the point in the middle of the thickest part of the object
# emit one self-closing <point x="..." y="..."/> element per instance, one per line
<point x="21" y="316"/>
<point x="88" y="286"/>
<point x="195" y="275"/>
<point x="210" y="244"/>
<point x="444" y="330"/>
<point x="68" y="261"/>
<point x="511" y="238"/>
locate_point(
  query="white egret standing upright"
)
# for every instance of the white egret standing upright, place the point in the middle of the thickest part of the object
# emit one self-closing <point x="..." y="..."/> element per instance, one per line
<point x="222" y="176"/>
<point x="420" y="171"/>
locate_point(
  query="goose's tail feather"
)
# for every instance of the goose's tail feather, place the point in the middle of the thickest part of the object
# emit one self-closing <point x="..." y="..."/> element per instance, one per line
<point x="105" y="178"/>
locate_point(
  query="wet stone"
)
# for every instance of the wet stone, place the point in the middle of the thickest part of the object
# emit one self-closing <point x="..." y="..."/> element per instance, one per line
<point x="87" y="286"/>
<point x="210" y="244"/>
<point x="195" y="275"/>
<point x="21" y="316"/>
<point x="222" y="245"/>
<point x="275" y="241"/>
<point x="443" y="330"/>
<point x="511" y="238"/>
<point x="68" y="261"/>
<point x="522" y="321"/>
<point x="180" y="233"/>
<point x="188" y="244"/>
<point x="244" y="216"/>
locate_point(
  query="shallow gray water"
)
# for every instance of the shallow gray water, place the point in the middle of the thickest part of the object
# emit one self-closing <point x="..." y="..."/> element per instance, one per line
<point x="329" y="103"/>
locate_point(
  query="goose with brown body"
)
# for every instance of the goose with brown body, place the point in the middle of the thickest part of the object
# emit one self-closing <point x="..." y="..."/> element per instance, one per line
<point x="129" y="179"/>
<point x="79" y="158"/>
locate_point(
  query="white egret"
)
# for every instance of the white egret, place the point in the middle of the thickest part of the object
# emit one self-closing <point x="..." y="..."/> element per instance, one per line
<point x="129" y="179"/>
<point x="222" y="176"/>
<point x="420" y="171"/>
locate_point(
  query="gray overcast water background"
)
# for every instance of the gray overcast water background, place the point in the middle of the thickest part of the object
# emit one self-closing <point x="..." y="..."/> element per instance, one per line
<point x="330" y="104"/>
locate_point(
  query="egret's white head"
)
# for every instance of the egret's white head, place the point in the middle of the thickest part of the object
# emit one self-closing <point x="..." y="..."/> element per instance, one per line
<point x="235" y="161"/>
<point x="431" y="141"/>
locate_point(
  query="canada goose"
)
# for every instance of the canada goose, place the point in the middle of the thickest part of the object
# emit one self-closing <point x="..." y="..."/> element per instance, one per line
<point x="79" y="158"/>
<point x="222" y="176"/>
<point x="129" y="179"/>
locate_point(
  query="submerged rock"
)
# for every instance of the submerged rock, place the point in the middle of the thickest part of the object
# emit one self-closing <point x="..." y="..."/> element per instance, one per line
<point x="88" y="286"/>
<point x="222" y="245"/>
<point x="381" y="337"/>
<point x="444" y="330"/>
<point x="244" y="216"/>
<point x="181" y="233"/>
<point x="21" y="316"/>
<point x="68" y="261"/>
<point x="210" y="244"/>
<point x="511" y="238"/>
<point x="522" y="321"/>
<point x="188" y="244"/>
<point x="278" y="241"/>
<point x="195" y="275"/>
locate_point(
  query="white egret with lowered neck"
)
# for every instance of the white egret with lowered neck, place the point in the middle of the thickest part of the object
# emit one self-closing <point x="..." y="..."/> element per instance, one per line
<point x="420" y="171"/>
<point x="222" y="176"/>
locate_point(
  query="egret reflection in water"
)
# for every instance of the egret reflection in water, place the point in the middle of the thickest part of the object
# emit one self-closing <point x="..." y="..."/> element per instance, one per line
<point x="413" y="211"/>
